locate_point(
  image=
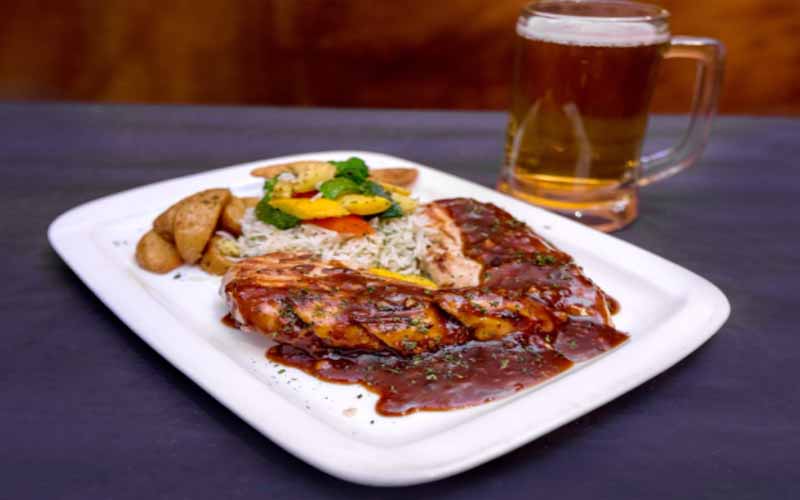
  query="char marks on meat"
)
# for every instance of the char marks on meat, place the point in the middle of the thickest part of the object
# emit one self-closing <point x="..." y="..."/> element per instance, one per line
<point x="512" y="310"/>
<point x="514" y="257"/>
<point x="323" y="306"/>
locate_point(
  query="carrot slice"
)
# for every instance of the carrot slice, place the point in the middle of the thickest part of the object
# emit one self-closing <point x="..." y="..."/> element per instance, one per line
<point x="347" y="224"/>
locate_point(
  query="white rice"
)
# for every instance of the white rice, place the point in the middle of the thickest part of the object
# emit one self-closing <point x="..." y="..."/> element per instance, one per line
<point x="394" y="245"/>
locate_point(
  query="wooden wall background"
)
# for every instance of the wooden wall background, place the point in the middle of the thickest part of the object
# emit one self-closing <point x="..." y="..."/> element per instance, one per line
<point x="356" y="53"/>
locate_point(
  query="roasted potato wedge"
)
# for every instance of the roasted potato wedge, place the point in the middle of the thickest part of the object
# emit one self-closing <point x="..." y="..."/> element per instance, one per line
<point x="232" y="214"/>
<point x="307" y="174"/>
<point x="164" y="223"/>
<point x="272" y="170"/>
<point x="155" y="254"/>
<point x="216" y="259"/>
<point x="360" y="204"/>
<point x="402" y="177"/>
<point x="231" y="218"/>
<point x="304" y="208"/>
<point x="195" y="222"/>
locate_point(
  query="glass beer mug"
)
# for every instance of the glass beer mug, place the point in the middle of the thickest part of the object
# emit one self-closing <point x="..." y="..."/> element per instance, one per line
<point x="584" y="75"/>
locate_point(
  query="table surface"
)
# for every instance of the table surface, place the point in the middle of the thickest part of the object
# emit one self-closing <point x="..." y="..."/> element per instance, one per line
<point x="88" y="410"/>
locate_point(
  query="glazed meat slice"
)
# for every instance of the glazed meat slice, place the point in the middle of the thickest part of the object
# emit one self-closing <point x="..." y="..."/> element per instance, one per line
<point x="499" y="278"/>
<point x="512" y="311"/>
<point x="316" y="306"/>
<point x="443" y="256"/>
<point x="321" y="306"/>
<point x="510" y="255"/>
<point x="493" y="314"/>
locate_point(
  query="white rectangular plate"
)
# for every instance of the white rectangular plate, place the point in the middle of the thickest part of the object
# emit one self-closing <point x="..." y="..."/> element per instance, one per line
<point x="667" y="310"/>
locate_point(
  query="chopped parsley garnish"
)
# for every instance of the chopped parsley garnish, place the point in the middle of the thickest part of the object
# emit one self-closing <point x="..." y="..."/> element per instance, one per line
<point x="503" y="364"/>
<point x="409" y="345"/>
<point x="544" y="259"/>
<point x="478" y="307"/>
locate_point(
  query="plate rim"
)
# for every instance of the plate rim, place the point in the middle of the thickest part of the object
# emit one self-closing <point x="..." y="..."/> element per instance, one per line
<point x="351" y="459"/>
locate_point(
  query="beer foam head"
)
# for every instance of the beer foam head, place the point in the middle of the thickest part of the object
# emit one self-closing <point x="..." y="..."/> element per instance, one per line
<point x="588" y="31"/>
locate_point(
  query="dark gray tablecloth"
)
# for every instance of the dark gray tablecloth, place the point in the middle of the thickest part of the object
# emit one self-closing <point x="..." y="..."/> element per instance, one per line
<point x="87" y="410"/>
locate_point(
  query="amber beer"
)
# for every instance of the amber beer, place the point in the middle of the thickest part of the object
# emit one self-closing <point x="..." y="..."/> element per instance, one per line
<point x="579" y="113"/>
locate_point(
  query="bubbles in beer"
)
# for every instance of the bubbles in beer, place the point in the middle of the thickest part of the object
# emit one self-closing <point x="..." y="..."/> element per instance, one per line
<point x="590" y="32"/>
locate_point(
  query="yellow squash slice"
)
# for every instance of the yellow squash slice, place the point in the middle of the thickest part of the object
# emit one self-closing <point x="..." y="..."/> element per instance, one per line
<point x="360" y="204"/>
<point x="305" y="209"/>
<point x="409" y="278"/>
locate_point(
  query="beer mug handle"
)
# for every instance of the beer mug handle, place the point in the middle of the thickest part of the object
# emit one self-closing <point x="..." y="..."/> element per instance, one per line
<point x="710" y="57"/>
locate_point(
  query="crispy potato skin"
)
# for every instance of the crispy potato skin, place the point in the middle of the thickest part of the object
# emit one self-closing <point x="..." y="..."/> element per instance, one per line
<point x="213" y="261"/>
<point x="273" y="170"/>
<point x="166" y="221"/>
<point x="155" y="254"/>
<point x="231" y="219"/>
<point x="232" y="214"/>
<point x="195" y="221"/>
<point x="402" y="177"/>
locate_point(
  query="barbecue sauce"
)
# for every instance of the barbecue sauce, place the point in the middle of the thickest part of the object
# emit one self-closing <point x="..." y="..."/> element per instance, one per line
<point x="517" y="264"/>
<point x="514" y="257"/>
<point x="456" y="376"/>
<point x="228" y="320"/>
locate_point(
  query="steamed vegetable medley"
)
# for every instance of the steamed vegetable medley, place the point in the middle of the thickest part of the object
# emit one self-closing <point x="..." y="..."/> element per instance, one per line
<point x="335" y="195"/>
<point x="215" y="228"/>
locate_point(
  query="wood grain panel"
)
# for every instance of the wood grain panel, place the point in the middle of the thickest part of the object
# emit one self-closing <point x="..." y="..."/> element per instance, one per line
<point x="357" y="53"/>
